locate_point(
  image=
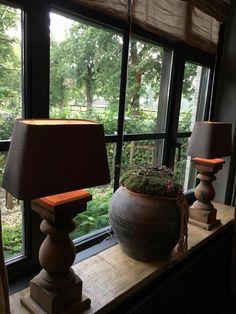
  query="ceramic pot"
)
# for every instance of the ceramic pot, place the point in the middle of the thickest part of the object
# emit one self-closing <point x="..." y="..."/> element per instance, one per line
<point x="147" y="227"/>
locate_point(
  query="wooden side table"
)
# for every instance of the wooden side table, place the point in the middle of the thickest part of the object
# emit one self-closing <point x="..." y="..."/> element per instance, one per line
<point x="57" y="289"/>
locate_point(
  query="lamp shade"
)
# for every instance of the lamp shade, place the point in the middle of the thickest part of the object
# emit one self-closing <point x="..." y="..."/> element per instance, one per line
<point x="48" y="157"/>
<point x="210" y="140"/>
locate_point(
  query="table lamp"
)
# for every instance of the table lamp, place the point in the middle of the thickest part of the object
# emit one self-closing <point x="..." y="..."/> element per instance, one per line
<point x="209" y="141"/>
<point x="46" y="158"/>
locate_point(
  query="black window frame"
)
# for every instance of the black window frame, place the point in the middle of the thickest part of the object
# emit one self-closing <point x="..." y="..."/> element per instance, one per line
<point x="36" y="69"/>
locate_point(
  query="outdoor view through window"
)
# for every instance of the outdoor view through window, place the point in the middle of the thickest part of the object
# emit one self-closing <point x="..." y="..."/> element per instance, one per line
<point x="84" y="84"/>
<point x="192" y="108"/>
<point x="85" y="76"/>
<point x="10" y="109"/>
<point x="87" y="81"/>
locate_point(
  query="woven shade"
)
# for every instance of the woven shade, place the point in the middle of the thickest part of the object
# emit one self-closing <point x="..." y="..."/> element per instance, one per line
<point x="195" y="22"/>
<point x="49" y="157"/>
<point x="117" y="8"/>
<point x="210" y="140"/>
<point x="219" y="9"/>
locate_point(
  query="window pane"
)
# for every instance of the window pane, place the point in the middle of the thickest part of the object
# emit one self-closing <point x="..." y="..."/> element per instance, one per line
<point x="193" y="105"/>
<point x="10" y="69"/>
<point x="194" y="95"/>
<point x="147" y="152"/>
<point x="85" y="72"/>
<point x="148" y="88"/>
<point x="11" y="217"/>
<point x="184" y="169"/>
<point x="96" y="215"/>
<point x="10" y="109"/>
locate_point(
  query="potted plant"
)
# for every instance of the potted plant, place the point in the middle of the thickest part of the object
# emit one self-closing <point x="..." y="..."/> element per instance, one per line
<point x="149" y="214"/>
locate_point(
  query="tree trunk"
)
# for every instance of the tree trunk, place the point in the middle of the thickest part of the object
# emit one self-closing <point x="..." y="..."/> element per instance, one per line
<point x="89" y="90"/>
<point x="62" y="96"/>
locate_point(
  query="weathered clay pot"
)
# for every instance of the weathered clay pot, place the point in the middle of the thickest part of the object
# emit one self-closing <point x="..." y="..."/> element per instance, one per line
<point x="147" y="227"/>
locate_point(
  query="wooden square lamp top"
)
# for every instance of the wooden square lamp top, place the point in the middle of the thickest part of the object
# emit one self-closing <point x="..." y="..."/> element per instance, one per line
<point x="50" y="207"/>
<point x="208" y="165"/>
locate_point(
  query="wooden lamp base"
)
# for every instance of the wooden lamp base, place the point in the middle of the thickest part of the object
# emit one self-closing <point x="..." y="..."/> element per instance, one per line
<point x="34" y="308"/>
<point x="202" y="213"/>
<point x="57" y="289"/>
<point x="66" y="295"/>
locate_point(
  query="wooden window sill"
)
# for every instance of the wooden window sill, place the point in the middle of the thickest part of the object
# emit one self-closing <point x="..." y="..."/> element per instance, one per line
<point x="110" y="277"/>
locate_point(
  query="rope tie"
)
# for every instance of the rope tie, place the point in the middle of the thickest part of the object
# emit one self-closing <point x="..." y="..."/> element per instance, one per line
<point x="183" y="211"/>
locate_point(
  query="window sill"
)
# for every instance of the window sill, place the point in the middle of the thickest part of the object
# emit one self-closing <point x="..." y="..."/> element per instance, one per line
<point x="22" y="283"/>
<point x="110" y="277"/>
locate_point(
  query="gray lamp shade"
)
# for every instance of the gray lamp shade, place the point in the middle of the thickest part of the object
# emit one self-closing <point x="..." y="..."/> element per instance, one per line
<point x="48" y="157"/>
<point x="210" y="140"/>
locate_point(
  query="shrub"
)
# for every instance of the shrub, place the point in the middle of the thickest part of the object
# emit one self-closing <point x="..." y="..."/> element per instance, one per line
<point x="12" y="240"/>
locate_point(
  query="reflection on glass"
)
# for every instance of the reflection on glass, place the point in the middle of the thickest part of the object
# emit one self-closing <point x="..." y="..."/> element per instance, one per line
<point x="84" y="72"/>
<point x="11" y="217"/>
<point x="10" y="69"/>
<point x="194" y="96"/>
<point x="147" y="152"/>
<point x="147" y="76"/>
<point x="184" y="169"/>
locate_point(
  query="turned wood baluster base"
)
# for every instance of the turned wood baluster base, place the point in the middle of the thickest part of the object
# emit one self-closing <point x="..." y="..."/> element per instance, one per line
<point x="57" y="289"/>
<point x="202" y="213"/>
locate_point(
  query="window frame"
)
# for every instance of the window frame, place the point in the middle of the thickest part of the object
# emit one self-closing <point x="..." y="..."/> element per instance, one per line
<point x="36" y="68"/>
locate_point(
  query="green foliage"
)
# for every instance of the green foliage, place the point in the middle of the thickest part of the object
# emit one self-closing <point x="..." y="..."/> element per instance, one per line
<point x="12" y="240"/>
<point x="96" y="215"/>
<point x="180" y="165"/>
<point x="143" y="75"/>
<point x="185" y="120"/>
<point x="85" y="69"/>
<point x="2" y="164"/>
<point x="189" y="75"/>
<point x="77" y="78"/>
<point x="10" y="72"/>
<point x="143" y="122"/>
<point x="7" y="119"/>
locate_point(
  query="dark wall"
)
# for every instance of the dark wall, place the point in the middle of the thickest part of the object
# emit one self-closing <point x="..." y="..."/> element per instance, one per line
<point x="225" y="107"/>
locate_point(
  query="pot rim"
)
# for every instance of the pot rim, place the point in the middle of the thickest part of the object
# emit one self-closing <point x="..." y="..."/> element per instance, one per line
<point x="148" y="195"/>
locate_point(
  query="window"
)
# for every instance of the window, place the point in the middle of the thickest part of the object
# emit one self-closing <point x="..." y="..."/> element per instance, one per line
<point x="85" y="79"/>
<point x="84" y="84"/>
<point x="146" y="90"/>
<point x="192" y="108"/>
<point x="84" y="72"/>
<point x="10" y="109"/>
<point x="143" y="105"/>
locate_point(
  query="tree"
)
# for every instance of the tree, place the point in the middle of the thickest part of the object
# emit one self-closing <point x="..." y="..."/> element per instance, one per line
<point x="10" y="70"/>
<point x="9" y="56"/>
<point x="91" y="67"/>
<point x="60" y="73"/>
<point x="86" y="67"/>
<point x="189" y="76"/>
<point x="144" y="73"/>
